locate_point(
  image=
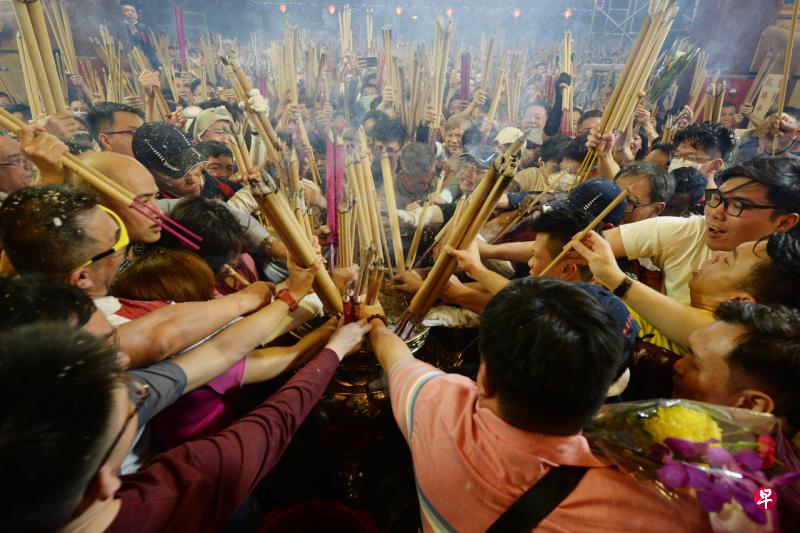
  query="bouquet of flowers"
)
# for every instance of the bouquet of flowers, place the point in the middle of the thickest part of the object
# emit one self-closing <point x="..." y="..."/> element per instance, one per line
<point x="670" y="66"/>
<point x="724" y="456"/>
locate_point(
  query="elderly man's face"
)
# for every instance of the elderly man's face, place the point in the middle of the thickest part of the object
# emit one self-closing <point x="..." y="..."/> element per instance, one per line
<point x="218" y="131"/>
<point x="16" y="171"/>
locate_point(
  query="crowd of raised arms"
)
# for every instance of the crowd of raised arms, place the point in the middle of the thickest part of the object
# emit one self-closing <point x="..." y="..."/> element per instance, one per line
<point x="160" y="256"/>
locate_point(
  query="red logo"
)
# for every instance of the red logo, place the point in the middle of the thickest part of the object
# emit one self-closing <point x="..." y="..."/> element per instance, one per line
<point x="765" y="498"/>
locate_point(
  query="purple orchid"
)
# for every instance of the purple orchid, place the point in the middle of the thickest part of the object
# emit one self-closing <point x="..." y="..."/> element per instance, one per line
<point x="687" y="449"/>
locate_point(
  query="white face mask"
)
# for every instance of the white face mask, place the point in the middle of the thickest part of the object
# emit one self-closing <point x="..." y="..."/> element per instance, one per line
<point x="678" y="162"/>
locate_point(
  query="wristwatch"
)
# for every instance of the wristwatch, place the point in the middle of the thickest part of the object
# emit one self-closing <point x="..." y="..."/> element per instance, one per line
<point x="287" y="297"/>
<point x="623" y="288"/>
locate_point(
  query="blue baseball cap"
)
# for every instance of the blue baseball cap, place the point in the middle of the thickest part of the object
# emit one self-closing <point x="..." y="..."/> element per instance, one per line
<point x="628" y="325"/>
<point x="593" y="196"/>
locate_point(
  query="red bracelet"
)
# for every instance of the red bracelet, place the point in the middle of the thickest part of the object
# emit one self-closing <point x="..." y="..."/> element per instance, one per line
<point x="379" y="317"/>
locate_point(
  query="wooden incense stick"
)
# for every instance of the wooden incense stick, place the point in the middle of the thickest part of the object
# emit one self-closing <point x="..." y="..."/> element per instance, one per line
<point x="391" y="209"/>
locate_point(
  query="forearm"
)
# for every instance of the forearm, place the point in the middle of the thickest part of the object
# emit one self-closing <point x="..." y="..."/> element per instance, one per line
<point x="675" y="320"/>
<point x="388" y="347"/>
<point x="607" y="166"/>
<point x="489" y="280"/>
<point x="169" y="330"/>
<point x="519" y="252"/>
<point x="467" y="298"/>
<point x="222" y="351"/>
<point x="267" y="363"/>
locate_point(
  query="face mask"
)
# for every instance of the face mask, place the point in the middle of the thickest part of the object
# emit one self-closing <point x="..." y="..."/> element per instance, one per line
<point x="366" y="101"/>
<point x="683" y="163"/>
<point x="564" y="178"/>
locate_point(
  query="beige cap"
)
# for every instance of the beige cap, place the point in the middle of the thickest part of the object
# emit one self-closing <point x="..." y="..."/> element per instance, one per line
<point x="508" y="135"/>
<point x="208" y="117"/>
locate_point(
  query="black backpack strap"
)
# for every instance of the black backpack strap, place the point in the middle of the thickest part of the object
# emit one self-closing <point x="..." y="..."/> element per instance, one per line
<point x="540" y="500"/>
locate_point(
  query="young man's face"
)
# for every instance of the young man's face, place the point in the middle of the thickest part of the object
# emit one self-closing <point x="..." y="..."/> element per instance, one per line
<point x="129" y="12"/>
<point x="721" y="276"/>
<point x="119" y="136"/>
<point x="542" y="255"/>
<point x="453" y="140"/>
<point x="725" y="232"/>
<point x="728" y="116"/>
<point x="220" y="167"/>
<point x="704" y="374"/>
<point x="707" y="164"/>
<point x="392" y="149"/>
<point x="535" y="117"/>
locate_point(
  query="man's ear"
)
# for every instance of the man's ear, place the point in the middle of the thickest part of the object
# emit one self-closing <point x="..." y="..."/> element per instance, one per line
<point x="102" y="139"/>
<point x="106" y="483"/>
<point x="659" y="207"/>
<point x="787" y="222"/>
<point x="80" y="278"/>
<point x="715" y="165"/>
<point x="755" y="400"/>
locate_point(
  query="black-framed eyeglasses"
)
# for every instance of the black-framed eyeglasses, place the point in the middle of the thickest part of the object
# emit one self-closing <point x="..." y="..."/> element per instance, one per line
<point x="632" y="205"/>
<point x="138" y="392"/>
<point x="732" y="206"/>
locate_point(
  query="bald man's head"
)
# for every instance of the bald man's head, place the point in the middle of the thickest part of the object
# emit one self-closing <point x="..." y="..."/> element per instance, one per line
<point x="133" y="176"/>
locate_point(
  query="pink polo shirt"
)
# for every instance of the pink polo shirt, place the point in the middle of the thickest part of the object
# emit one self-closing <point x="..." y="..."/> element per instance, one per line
<point x="470" y="465"/>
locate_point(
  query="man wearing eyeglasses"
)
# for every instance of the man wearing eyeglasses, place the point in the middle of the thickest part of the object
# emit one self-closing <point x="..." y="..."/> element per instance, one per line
<point x="36" y="148"/>
<point x="753" y="200"/>
<point x="112" y="125"/>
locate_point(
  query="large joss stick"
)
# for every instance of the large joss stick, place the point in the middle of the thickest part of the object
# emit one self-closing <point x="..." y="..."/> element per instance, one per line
<point x="475" y="214"/>
<point x="58" y="19"/>
<point x="566" y="92"/>
<point x="110" y="188"/>
<point x="579" y="237"/>
<point x="466" y="63"/>
<point x="787" y="61"/>
<point x="391" y="209"/>
<point x="487" y="61"/>
<point x="698" y="78"/>
<point x="490" y="116"/>
<point x="31" y="87"/>
<point x="631" y="82"/>
<point x="277" y="209"/>
<point x="43" y="65"/>
<point x="161" y="103"/>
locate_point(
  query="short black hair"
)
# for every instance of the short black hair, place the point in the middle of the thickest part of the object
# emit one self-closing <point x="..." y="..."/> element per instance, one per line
<point x="729" y="104"/>
<point x="768" y="352"/>
<point x="560" y="224"/>
<point x="575" y="149"/>
<point x="79" y="143"/>
<point x="213" y="149"/>
<point x="664" y="147"/>
<point x="223" y="237"/>
<point x="58" y="387"/>
<point x="690" y="180"/>
<point x="417" y="160"/>
<point x="41" y="228"/>
<point x="553" y="147"/>
<point x="551" y="352"/>
<point x="388" y="130"/>
<point x="777" y="280"/>
<point x="233" y="109"/>
<point x="34" y="297"/>
<point x="591" y="113"/>
<point x="472" y="137"/>
<point x="101" y="116"/>
<point x="662" y="184"/>
<point x="22" y="109"/>
<point x="377" y="116"/>
<point x="781" y="175"/>
<point x="711" y="137"/>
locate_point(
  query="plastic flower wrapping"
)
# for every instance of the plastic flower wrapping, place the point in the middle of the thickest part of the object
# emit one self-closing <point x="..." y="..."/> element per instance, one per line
<point x="669" y="68"/>
<point x="719" y="455"/>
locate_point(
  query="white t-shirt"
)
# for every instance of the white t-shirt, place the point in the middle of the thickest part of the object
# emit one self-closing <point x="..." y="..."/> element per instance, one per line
<point x="675" y="245"/>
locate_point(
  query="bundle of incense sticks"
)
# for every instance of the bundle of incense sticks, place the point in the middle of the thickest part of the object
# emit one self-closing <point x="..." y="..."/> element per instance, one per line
<point x="443" y="39"/>
<point x="787" y="63"/>
<point x="275" y="206"/>
<point x="161" y="107"/>
<point x="58" y="19"/>
<point x="208" y="54"/>
<point x="111" y="188"/>
<point x="767" y="64"/>
<point x="568" y="124"/>
<point x="514" y="85"/>
<point x="496" y="95"/>
<point x="10" y="84"/>
<point x="31" y="86"/>
<point x="698" y="79"/>
<point x="715" y="96"/>
<point x="32" y="28"/>
<point x="466" y="67"/>
<point x="487" y="63"/>
<point x="345" y="31"/>
<point x="116" y="85"/>
<point x="161" y="45"/>
<point x="178" y="18"/>
<point x="370" y="25"/>
<point x="474" y="215"/>
<point x="641" y="61"/>
<point x="391" y="209"/>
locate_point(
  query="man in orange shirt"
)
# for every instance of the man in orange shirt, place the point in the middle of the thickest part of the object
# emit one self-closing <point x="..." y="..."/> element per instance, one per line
<point x="549" y="353"/>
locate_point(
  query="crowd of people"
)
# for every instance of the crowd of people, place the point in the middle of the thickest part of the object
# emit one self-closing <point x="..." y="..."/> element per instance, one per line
<point x="124" y="352"/>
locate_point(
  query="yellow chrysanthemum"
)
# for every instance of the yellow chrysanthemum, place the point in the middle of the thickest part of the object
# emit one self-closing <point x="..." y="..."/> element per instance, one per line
<point x="682" y="422"/>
